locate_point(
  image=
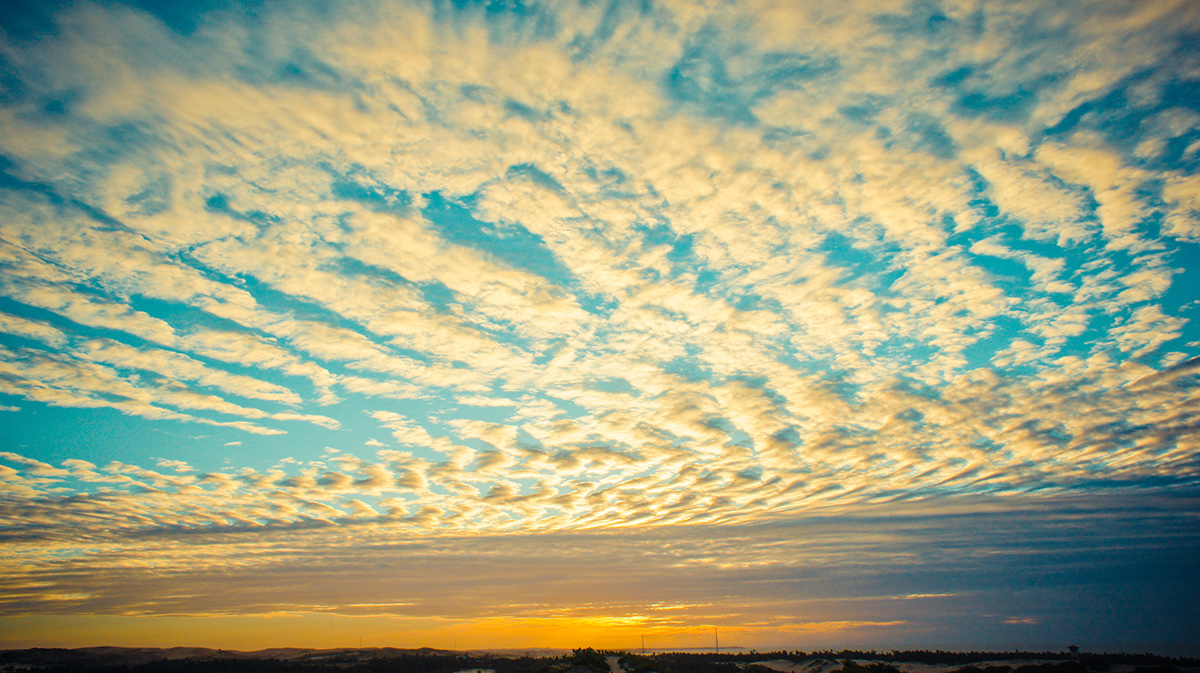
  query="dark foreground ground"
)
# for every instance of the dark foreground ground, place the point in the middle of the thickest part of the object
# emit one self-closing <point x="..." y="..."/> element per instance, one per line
<point x="388" y="660"/>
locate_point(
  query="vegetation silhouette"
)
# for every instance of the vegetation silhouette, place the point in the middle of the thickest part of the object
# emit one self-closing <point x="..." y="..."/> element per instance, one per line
<point x="589" y="659"/>
<point x="584" y="660"/>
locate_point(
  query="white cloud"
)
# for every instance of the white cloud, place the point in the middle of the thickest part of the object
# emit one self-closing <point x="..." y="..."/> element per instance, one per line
<point x="661" y="311"/>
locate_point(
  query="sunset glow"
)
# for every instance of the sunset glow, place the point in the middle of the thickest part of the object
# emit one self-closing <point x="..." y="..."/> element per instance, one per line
<point x="514" y="324"/>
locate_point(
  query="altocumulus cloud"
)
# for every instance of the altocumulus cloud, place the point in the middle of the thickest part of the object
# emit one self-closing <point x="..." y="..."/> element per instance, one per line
<point x="888" y="276"/>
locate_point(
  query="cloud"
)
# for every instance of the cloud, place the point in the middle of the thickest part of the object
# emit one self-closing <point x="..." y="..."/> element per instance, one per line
<point x="845" y="572"/>
<point x="32" y="329"/>
<point x="591" y="266"/>
<point x="181" y="367"/>
<point x="326" y="239"/>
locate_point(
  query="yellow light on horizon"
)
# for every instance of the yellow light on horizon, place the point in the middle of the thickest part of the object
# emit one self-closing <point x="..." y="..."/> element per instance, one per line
<point x="329" y="631"/>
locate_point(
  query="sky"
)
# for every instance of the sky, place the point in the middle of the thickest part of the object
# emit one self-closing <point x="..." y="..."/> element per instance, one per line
<point x="811" y="324"/>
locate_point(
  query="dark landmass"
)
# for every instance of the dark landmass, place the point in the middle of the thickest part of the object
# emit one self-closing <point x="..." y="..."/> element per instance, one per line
<point x="426" y="660"/>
